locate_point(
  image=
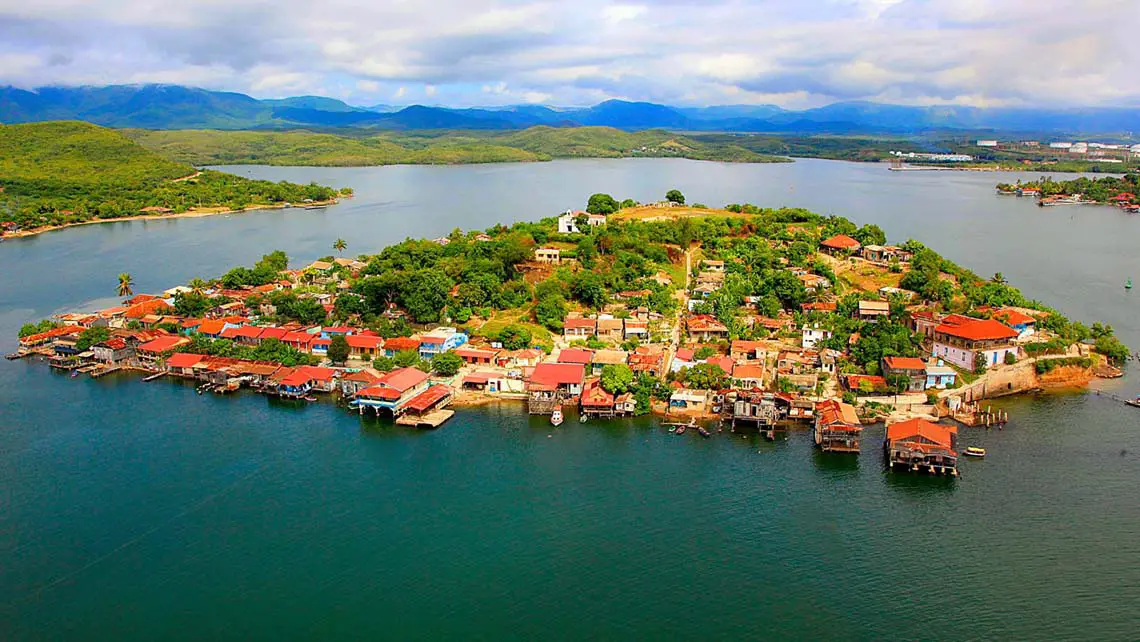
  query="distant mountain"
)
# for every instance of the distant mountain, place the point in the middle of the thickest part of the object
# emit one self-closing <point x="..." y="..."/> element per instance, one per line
<point x="175" y="107"/>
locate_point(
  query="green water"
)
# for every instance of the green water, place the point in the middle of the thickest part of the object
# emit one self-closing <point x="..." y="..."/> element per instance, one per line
<point x="142" y="511"/>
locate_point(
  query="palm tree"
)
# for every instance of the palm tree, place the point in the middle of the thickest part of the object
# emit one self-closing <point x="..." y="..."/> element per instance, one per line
<point x="125" y="284"/>
<point x="197" y="284"/>
<point x="339" y="245"/>
<point x="998" y="277"/>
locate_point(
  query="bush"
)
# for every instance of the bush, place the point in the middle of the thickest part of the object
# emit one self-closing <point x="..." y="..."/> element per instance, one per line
<point x="446" y="364"/>
<point x="1010" y="358"/>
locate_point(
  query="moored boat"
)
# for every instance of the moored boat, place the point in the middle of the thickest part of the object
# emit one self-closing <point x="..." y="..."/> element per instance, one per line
<point x="975" y="451"/>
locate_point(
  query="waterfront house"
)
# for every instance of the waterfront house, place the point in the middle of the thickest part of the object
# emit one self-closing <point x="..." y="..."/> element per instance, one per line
<point x="909" y="368"/>
<point x="753" y="408"/>
<point x="113" y="351"/>
<point x="595" y="401"/>
<point x="959" y="339"/>
<point x="302" y="380"/>
<point x="689" y="401"/>
<point x="940" y="376"/>
<point x="748" y="375"/>
<point x="550" y="255"/>
<point x="837" y="427"/>
<point x="919" y="445"/>
<point x="150" y="353"/>
<point x="578" y="328"/>
<point x="813" y="335"/>
<point x="476" y="356"/>
<point x="354" y="382"/>
<point x="434" y="398"/>
<point x="873" y="310"/>
<point x="364" y="347"/>
<point x="840" y="244"/>
<point x="706" y="328"/>
<point x="183" y="363"/>
<point x="565" y="378"/>
<point x="393" y="390"/>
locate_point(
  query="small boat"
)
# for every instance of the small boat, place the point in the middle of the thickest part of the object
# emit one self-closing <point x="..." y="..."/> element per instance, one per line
<point x="704" y="432"/>
<point x="672" y="429"/>
<point x="556" y="418"/>
<point x="1128" y="284"/>
<point x="74" y="374"/>
<point x="309" y="398"/>
<point x="974" y="451"/>
<point x="582" y="418"/>
<point x="681" y="429"/>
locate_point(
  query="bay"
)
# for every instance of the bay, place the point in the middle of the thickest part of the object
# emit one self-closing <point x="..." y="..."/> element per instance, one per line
<point x="143" y="511"/>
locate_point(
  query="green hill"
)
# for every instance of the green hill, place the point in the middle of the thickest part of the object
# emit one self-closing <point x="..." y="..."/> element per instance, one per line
<point x="57" y="173"/>
<point x="345" y="148"/>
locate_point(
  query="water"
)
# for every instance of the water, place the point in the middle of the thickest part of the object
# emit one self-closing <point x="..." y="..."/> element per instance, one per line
<point x="143" y="511"/>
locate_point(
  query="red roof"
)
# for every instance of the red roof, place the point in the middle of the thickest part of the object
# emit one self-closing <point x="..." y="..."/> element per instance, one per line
<point x="152" y="306"/>
<point x="840" y="242"/>
<point x="360" y="341"/>
<point x="575" y="355"/>
<point x="212" y="326"/>
<point x="162" y="344"/>
<point x="1011" y="317"/>
<point x="116" y="343"/>
<point x="972" y="329"/>
<point x="904" y="363"/>
<point x="272" y="333"/>
<point x="557" y="374"/>
<point x="579" y="322"/>
<point x="183" y="360"/>
<point x="363" y="376"/>
<point x="832" y="412"/>
<point x="594" y="396"/>
<point x="380" y="392"/>
<point x="877" y="382"/>
<point x="920" y="431"/>
<point x="428" y="398"/>
<point x="403" y="379"/>
<point x="705" y="323"/>
<point x="684" y="354"/>
<point x="748" y="371"/>
<point x="400" y="344"/>
<point x="430" y="340"/>
<point x="246" y="332"/>
<point x="475" y="353"/>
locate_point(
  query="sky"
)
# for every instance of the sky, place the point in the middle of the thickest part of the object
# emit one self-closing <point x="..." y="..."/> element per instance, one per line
<point x="792" y="53"/>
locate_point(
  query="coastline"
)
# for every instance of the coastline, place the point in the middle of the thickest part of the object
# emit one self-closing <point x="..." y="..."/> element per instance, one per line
<point x="200" y="212"/>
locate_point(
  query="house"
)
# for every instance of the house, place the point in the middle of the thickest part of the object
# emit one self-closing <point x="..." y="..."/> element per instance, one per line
<point x="923" y="322"/>
<point x="550" y="255"/>
<point x="712" y="266"/>
<point x="725" y="363"/>
<point x="685" y="400"/>
<point x="611" y="330"/>
<point x="1025" y="325"/>
<point x="705" y="328"/>
<point x="741" y="350"/>
<point x="909" y="368"/>
<point x="183" y="363"/>
<point x="440" y="340"/>
<point x="568" y="221"/>
<point x="297" y="340"/>
<point x="364" y="347"/>
<point x="149" y="306"/>
<point x="525" y="358"/>
<point x="886" y="254"/>
<point x="562" y="379"/>
<point x="298" y="382"/>
<point x="603" y="358"/>
<point x="837" y="427"/>
<point x="476" y="357"/>
<point x="940" y="376"/>
<point x="393" y="390"/>
<point x="814" y="282"/>
<point x="960" y="339"/>
<point x="396" y="345"/>
<point x="819" y="306"/>
<point x="580" y="356"/>
<point x="652" y="363"/>
<point x="113" y="351"/>
<point x="748" y="375"/>
<point x="683" y="358"/>
<point x="873" y="310"/>
<point x="865" y="384"/>
<point x="150" y="353"/>
<point x="919" y="445"/>
<point x="840" y="244"/>
<point x="753" y="408"/>
<point x="354" y="382"/>
<point x="636" y="330"/>
<point x="813" y="335"/>
<point x="595" y="401"/>
<point x="578" y="328"/>
<point x="796" y="361"/>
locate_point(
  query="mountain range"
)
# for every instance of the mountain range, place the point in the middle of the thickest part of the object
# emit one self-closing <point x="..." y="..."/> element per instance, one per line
<point x="178" y="107"/>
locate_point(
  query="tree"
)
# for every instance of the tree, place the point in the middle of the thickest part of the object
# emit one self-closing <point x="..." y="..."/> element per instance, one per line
<point x="192" y="304"/>
<point x="406" y="358"/>
<point x="588" y="288"/>
<point x="704" y="352"/>
<point x="90" y="337"/>
<point x="617" y="378"/>
<point x="980" y="363"/>
<point x="871" y="234"/>
<point x="197" y="284"/>
<point x="629" y="202"/>
<point x="601" y="204"/>
<point x="424" y="293"/>
<point x="125" y="284"/>
<point x="338" y="349"/>
<point x="383" y="364"/>
<point x="339" y="245"/>
<point x="515" y="337"/>
<point x="705" y="376"/>
<point x="675" y="196"/>
<point x="550" y="311"/>
<point x="446" y="363"/>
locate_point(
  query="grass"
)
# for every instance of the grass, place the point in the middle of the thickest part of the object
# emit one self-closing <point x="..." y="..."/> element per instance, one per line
<point x="864" y="276"/>
<point x="514" y="316"/>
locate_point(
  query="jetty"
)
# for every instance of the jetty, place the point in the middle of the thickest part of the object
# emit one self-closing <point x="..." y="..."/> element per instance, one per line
<point x="433" y="419"/>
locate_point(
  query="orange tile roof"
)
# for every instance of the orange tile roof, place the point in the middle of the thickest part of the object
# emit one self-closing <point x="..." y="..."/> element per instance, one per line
<point x="904" y="363"/>
<point x="972" y="329"/>
<point x="428" y="398"/>
<point x="840" y="242"/>
<point x="183" y="360"/>
<point x="162" y="344"/>
<point x="555" y="374"/>
<point x="920" y="431"/>
<point x="212" y="326"/>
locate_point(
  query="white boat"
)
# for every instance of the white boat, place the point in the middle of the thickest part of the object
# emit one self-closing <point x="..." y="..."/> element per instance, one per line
<point x="556" y="417"/>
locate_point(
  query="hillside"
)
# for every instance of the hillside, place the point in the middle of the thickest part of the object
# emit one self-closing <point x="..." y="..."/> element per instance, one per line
<point x="63" y="173"/>
<point x="200" y="147"/>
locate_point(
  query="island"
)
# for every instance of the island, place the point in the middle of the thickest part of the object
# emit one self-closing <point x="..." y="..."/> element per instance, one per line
<point x="742" y="317"/>
<point x="1118" y="191"/>
<point x="59" y="174"/>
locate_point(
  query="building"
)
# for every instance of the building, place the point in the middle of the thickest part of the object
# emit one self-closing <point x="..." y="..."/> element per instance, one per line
<point x="910" y="368"/>
<point x="550" y="255"/>
<point x="840" y="244"/>
<point x="886" y="254"/>
<point x="961" y="339"/>
<point x="837" y="427"/>
<point x="362" y="347"/>
<point x="636" y="330"/>
<point x="150" y="354"/>
<point x="748" y="375"/>
<point x="813" y="334"/>
<point x="940" y="376"/>
<point x="819" y="306"/>
<point x="689" y="401"/>
<point x="477" y="357"/>
<point x="595" y="401"/>
<point x="1025" y="325"/>
<point x="578" y="328"/>
<point x="568" y="222"/>
<point x="873" y="310"/>
<point x="918" y="445"/>
<point x="552" y="383"/>
<point x="705" y="328"/>
<point x="651" y="363"/>
<point x="113" y="351"/>
<point x="396" y="345"/>
<point x="987" y="143"/>
<point x="354" y="382"/>
<point x="712" y="266"/>
<point x="611" y="330"/>
<point x="392" y="391"/>
<point x="440" y="340"/>
<point x="814" y="282"/>
<point x="602" y="358"/>
<point x="741" y="350"/>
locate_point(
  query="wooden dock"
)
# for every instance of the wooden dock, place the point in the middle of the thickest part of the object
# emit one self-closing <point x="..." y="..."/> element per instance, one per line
<point x="433" y="419"/>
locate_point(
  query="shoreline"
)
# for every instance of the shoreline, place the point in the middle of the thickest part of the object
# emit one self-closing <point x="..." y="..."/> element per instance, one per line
<point x="191" y="213"/>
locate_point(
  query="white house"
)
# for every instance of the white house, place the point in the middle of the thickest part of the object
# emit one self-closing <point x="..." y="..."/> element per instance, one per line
<point x="813" y="334"/>
<point x="568" y="224"/>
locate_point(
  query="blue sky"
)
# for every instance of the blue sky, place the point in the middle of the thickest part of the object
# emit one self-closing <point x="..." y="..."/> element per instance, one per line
<point x="488" y="52"/>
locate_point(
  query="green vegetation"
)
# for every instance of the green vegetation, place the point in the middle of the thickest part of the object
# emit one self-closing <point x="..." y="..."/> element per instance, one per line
<point x="446" y="364"/>
<point x="338" y="349"/>
<point x="360" y="147"/>
<point x="58" y="173"/>
<point x="28" y="329"/>
<point x="1091" y="189"/>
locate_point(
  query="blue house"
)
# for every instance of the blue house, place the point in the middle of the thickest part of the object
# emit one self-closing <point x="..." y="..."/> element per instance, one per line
<point x="940" y="376"/>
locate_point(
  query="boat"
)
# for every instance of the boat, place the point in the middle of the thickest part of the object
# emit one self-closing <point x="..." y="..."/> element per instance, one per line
<point x="704" y="432"/>
<point x="309" y="398"/>
<point x="556" y="417"/>
<point x="74" y="373"/>
<point x="1128" y="284"/>
<point x="975" y="451"/>
<point x="681" y="429"/>
<point x="673" y="429"/>
<point x="582" y="418"/>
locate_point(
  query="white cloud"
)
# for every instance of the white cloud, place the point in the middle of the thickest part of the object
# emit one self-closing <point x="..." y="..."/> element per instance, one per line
<point x="981" y="52"/>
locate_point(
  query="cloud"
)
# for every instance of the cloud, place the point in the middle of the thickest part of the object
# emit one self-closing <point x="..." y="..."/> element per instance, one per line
<point x="794" y="53"/>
